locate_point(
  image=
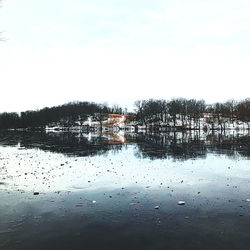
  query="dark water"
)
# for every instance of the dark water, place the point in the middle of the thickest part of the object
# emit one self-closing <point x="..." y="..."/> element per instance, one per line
<point x="121" y="191"/>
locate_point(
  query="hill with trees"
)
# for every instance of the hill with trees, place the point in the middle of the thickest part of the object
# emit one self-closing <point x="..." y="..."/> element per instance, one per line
<point x="178" y="112"/>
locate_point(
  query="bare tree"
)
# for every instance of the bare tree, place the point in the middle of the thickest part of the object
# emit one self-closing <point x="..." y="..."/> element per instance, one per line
<point x="140" y="110"/>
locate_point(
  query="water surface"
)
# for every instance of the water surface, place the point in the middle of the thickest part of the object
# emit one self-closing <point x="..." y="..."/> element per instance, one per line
<point x="121" y="191"/>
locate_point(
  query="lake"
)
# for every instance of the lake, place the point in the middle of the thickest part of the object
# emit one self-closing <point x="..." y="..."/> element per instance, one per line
<point x="125" y="191"/>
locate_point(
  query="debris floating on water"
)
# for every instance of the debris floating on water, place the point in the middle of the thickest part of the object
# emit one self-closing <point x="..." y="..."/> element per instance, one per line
<point x="181" y="203"/>
<point x="93" y="202"/>
<point x="157" y="207"/>
<point x="248" y="200"/>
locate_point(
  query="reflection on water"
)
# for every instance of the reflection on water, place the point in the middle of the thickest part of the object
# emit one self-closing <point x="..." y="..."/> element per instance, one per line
<point x="177" y="145"/>
<point x="101" y="191"/>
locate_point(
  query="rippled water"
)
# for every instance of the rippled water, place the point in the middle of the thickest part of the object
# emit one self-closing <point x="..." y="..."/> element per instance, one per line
<point x="121" y="191"/>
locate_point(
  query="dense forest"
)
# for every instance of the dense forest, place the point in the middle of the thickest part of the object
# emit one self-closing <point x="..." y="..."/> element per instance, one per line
<point x="66" y="114"/>
<point x="146" y="111"/>
<point x="161" y="110"/>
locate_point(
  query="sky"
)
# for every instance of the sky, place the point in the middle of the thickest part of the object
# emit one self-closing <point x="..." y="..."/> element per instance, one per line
<point x="119" y="51"/>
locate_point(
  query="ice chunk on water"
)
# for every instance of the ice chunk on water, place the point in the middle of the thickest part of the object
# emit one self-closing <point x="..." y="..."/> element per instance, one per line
<point x="181" y="203"/>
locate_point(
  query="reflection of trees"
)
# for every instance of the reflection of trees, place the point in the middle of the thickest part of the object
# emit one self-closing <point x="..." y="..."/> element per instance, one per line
<point x="181" y="146"/>
<point x="67" y="143"/>
<point x="170" y="145"/>
<point x="230" y="145"/>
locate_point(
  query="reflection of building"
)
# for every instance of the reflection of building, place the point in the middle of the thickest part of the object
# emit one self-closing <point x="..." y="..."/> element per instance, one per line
<point x="115" y="138"/>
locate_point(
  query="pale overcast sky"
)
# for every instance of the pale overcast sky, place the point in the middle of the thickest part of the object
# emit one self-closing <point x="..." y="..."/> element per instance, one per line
<point x="118" y="51"/>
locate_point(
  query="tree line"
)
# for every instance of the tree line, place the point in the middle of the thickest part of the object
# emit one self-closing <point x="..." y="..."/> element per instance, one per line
<point x="65" y="114"/>
<point x="146" y="112"/>
<point x="187" y="110"/>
